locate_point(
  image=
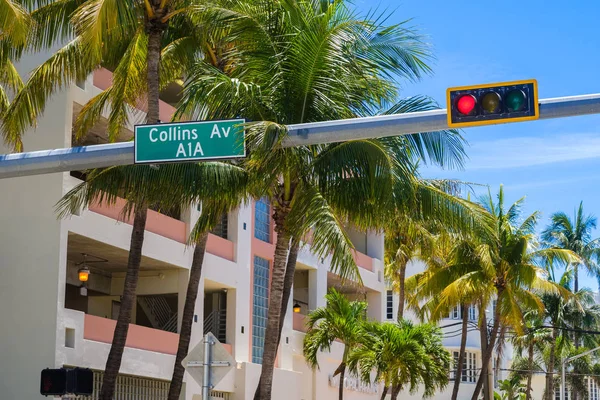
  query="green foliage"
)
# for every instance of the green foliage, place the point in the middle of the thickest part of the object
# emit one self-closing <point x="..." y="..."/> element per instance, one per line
<point x="404" y="355"/>
<point x="511" y="389"/>
<point x="341" y="319"/>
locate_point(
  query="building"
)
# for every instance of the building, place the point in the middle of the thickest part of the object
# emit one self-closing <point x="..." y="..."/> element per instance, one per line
<point x="48" y="322"/>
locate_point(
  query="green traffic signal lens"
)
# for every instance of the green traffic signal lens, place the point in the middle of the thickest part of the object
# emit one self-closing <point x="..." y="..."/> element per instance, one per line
<point x="515" y="100"/>
<point x="490" y="102"/>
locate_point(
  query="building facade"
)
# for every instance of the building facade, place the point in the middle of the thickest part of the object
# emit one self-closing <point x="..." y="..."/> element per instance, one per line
<point x="49" y="322"/>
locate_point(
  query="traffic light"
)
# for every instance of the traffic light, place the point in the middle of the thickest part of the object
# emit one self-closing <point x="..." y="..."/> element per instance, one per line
<point x="80" y="381"/>
<point x="60" y="381"/>
<point x="494" y="103"/>
<point x="54" y="382"/>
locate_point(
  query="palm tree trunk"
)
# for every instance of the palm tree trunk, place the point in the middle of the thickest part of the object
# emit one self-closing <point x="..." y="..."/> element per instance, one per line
<point x="530" y="370"/>
<point x="288" y="282"/>
<point x="265" y="384"/>
<point x="384" y="392"/>
<point x="487" y="356"/>
<point x="461" y="354"/>
<point x="113" y="363"/>
<point x="341" y="384"/>
<point x="483" y="336"/>
<point x="549" y="392"/>
<point x="395" y="392"/>
<point x="187" y="317"/>
<point x="401" y="291"/>
<point x="155" y="30"/>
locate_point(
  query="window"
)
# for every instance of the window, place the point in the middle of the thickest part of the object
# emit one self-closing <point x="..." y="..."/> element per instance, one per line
<point x="389" y="305"/>
<point x="469" y="367"/>
<point x="262" y="220"/>
<point x="221" y="228"/>
<point x="557" y="392"/>
<point x="455" y="313"/>
<point x="260" y="306"/>
<point x="472" y="313"/>
<point x="593" y="389"/>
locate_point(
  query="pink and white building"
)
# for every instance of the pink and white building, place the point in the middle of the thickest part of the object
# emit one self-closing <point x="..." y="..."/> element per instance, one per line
<point x="47" y="322"/>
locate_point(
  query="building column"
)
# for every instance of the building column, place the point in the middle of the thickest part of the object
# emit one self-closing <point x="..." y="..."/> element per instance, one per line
<point x="239" y="228"/>
<point x="375" y="245"/>
<point x="317" y="287"/>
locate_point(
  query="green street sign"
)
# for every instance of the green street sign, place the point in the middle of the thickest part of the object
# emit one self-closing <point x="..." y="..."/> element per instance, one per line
<point x="189" y="141"/>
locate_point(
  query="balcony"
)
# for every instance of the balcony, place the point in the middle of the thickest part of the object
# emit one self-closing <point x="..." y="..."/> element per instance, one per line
<point x="156" y="222"/>
<point x="138" y="337"/>
<point x="299" y="323"/>
<point x="363" y="260"/>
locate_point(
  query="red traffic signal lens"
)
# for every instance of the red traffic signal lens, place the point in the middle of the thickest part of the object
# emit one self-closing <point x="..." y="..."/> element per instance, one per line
<point x="466" y="104"/>
<point x="516" y="100"/>
<point x="491" y="103"/>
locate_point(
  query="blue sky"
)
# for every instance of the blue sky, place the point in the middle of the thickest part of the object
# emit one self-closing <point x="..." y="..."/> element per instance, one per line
<point x="554" y="163"/>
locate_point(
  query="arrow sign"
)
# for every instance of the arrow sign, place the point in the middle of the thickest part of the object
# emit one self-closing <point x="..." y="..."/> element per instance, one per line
<point x="219" y="362"/>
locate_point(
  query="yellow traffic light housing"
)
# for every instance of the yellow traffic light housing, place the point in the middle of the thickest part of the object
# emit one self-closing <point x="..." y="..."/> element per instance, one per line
<point x="494" y="103"/>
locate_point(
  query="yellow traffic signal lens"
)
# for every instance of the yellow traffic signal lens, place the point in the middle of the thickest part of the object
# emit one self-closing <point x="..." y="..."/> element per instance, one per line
<point x="490" y="102"/>
<point x="515" y="100"/>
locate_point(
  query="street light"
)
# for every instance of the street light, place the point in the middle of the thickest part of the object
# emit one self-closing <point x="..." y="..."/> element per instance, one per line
<point x="563" y="379"/>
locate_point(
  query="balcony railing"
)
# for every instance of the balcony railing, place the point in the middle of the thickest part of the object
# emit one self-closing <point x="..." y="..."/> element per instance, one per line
<point x="138" y="337"/>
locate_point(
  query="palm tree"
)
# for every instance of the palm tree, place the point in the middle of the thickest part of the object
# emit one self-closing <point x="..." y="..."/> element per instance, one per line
<point x="575" y="235"/>
<point x="566" y="314"/>
<point x="277" y="73"/>
<point x="511" y="388"/>
<point x="403" y="355"/>
<point x="16" y="25"/>
<point x="532" y="341"/>
<point x="434" y="307"/>
<point x="406" y="241"/>
<point x="126" y="37"/>
<point x="341" y="319"/>
<point x="505" y="267"/>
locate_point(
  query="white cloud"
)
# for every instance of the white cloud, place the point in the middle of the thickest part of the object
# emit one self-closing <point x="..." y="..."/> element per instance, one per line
<point x="531" y="151"/>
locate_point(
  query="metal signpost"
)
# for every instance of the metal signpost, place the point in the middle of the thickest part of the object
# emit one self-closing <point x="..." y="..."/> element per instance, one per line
<point x="189" y="141"/>
<point x="81" y="158"/>
<point x="208" y="363"/>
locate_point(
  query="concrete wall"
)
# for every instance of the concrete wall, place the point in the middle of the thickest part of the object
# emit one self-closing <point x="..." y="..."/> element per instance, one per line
<point x="33" y="259"/>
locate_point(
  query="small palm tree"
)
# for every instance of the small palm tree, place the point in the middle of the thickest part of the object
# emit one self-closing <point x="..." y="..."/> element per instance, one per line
<point x="403" y="355"/>
<point x="341" y="319"/>
<point x="511" y="389"/>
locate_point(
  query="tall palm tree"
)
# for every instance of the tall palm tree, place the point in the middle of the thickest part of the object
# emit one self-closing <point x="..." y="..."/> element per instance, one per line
<point x="406" y="241"/>
<point x="433" y="307"/>
<point x="505" y="267"/>
<point x="403" y="355"/>
<point x="531" y="341"/>
<point x="341" y="319"/>
<point x="567" y="313"/>
<point x="286" y="67"/>
<point x="575" y="235"/>
<point x="128" y="38"/>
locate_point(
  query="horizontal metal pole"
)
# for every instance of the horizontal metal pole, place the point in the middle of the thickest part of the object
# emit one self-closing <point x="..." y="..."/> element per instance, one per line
<point x="105" y="155"/>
